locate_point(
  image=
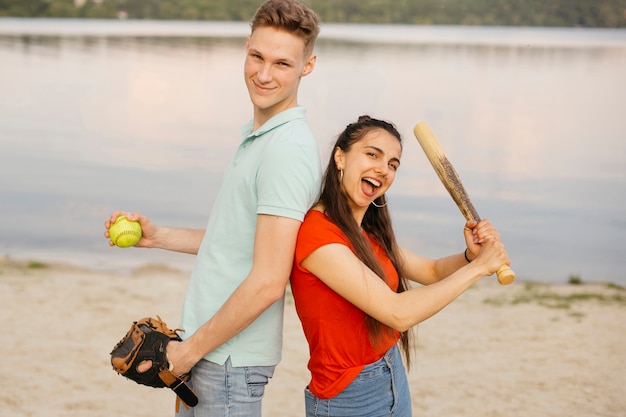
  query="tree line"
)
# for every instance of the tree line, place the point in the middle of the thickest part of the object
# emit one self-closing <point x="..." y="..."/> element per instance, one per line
<point x="551" y="13"/>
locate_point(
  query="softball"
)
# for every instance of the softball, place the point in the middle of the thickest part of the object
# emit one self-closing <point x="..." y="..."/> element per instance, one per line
<point x="124" y="233"/>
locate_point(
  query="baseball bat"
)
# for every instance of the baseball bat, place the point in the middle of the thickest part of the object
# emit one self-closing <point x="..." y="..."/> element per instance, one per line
<point x="451" y="180"/>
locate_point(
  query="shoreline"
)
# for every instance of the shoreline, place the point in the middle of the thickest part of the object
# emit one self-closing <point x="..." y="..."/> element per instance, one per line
<point x="126" y="263"/>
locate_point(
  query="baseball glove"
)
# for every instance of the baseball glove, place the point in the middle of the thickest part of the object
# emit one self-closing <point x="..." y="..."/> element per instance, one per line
<point x="147" y="340"/>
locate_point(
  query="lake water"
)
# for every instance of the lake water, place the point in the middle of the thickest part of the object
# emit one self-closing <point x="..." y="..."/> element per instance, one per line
<point x="104" y="115"/>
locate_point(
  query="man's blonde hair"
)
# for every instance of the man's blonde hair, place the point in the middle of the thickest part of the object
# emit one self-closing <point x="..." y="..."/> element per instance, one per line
<point x="292" y="16"/>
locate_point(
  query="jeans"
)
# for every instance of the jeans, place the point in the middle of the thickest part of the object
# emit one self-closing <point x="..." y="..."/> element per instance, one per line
<point x="227" y="391"/>
<point x="380" y="390"/>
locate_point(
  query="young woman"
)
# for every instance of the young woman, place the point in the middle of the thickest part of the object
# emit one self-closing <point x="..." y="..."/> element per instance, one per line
<point x="350" y="280"/>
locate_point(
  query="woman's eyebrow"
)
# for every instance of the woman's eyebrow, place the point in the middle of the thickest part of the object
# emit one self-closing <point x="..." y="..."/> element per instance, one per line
<point x="382" y="153"/>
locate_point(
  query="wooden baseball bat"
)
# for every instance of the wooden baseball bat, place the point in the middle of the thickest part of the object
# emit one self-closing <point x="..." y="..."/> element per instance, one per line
<point x="451" y="180"/>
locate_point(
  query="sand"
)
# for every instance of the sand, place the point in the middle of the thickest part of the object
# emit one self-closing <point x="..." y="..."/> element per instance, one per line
<point x="522" y="350"/>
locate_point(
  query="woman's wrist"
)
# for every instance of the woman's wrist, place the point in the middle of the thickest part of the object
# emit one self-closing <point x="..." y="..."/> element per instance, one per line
<point x="466" y="257"/>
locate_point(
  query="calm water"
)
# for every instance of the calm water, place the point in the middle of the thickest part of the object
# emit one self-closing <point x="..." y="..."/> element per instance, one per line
<point x="96" y="116"/>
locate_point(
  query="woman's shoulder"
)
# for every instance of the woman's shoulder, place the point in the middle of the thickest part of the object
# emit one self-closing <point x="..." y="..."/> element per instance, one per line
<point x="317" y="223"/>
<point x="316" y="215"/>
<point x="316" y="231"/>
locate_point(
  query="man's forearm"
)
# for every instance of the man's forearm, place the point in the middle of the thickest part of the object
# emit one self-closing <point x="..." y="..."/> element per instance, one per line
<point x="179" y="239"/>
<point x="243" y="307"/>
<point x="274" y="246"/>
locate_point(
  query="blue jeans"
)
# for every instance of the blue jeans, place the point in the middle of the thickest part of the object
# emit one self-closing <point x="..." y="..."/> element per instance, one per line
<point x="380" y="390"/>
<point x="227" y="391"/>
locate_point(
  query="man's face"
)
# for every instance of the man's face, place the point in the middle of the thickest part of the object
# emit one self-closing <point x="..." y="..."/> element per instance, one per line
<point x="274" y="64"/>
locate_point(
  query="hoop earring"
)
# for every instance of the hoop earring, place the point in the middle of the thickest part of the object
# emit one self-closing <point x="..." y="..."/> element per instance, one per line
<point x="382" y="205"/>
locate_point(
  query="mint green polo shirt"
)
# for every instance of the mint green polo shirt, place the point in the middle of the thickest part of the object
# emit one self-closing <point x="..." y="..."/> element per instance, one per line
<point x="277" y="171"/>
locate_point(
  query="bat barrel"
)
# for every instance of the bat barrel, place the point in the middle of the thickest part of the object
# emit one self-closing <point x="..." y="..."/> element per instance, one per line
<point x="452" y="182"/>
<point x="445" y="171"/>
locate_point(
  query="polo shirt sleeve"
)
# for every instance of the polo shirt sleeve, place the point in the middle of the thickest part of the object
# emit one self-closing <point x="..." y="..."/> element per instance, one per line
<point x="288" y="179"/>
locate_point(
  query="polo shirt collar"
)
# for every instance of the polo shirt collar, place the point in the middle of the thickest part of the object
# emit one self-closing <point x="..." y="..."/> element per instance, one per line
<point x="281" y="118"/>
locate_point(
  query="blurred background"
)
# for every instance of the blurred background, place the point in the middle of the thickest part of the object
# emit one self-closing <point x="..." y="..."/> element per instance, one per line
<point x="137" y="105"/>
<point x="564" y="13"/>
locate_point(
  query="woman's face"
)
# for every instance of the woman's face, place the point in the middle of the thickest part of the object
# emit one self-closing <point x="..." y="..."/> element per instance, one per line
<point x="369" y="168"/>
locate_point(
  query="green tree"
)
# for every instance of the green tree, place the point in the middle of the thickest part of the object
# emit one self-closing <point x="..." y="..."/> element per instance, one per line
<point x="586" y="13"/>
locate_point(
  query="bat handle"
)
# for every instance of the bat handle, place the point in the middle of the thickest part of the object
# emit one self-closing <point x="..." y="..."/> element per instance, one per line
<point x="505" y="275"/>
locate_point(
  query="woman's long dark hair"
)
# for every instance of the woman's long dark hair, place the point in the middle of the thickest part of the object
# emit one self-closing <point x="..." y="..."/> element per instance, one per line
<point x="376" y="222"/>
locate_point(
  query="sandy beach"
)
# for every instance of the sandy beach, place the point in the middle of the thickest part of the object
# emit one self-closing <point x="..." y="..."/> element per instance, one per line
<point x="522" y="350"/>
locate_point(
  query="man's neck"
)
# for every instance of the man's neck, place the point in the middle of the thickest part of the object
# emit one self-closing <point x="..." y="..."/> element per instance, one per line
<point x="261" y="116"/>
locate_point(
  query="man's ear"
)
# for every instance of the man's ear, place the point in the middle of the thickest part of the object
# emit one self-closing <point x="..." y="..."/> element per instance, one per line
<point x="309" y="65"/>
<point x="247" y="43"/>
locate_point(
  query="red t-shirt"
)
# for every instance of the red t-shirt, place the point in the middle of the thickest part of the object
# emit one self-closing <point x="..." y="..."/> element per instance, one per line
<point x="335" y="329"/>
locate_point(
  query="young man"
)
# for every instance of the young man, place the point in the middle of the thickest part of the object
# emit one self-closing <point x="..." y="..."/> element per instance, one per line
<point x="233" y="310"/>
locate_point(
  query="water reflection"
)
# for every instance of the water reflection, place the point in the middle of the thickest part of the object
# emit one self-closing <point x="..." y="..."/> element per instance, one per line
<point x="94" y="123"/>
